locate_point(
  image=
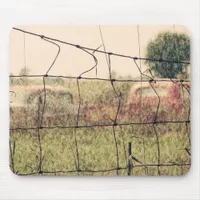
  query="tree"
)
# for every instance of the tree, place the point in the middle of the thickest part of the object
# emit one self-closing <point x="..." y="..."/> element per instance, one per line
<point x="168" y="46"/>
<point x="24" y="72"/>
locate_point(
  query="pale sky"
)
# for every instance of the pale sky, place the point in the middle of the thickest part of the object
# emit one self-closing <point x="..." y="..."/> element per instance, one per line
<point x="37" y="55"/>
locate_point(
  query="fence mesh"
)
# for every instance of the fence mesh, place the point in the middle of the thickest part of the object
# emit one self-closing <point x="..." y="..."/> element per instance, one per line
<point x="151" y="116"/>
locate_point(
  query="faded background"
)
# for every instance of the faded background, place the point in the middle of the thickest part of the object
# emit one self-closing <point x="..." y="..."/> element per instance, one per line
<point x="37" y="55"/>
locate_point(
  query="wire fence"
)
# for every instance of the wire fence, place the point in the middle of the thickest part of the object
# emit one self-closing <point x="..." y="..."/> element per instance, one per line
<point x="145" y="77"/>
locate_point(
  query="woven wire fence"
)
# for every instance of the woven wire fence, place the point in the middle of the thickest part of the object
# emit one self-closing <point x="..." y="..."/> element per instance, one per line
<point x="145" y="77"/>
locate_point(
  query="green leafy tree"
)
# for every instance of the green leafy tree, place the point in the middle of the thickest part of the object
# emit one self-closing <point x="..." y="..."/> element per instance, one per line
<point x="168" y="46"/>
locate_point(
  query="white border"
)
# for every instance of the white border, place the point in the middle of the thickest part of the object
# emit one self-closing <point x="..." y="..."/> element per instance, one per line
<point x="64" y="12"/>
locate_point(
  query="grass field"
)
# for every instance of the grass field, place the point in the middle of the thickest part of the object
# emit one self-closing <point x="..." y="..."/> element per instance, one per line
<point x="58" y="150"/>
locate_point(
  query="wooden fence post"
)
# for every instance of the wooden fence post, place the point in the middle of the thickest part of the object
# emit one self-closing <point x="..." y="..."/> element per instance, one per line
<point x="129" y="160"/>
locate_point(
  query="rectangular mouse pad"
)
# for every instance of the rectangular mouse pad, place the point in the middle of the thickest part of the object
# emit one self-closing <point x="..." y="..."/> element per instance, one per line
<point x="100" y="100"/>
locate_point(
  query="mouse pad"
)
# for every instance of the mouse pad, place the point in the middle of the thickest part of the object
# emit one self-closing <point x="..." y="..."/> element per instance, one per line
<point x="100" y="100"/>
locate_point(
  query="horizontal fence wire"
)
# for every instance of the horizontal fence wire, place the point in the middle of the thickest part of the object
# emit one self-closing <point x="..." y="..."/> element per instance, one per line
<point x="144" y="78"/>
<point x="99" y="51"/>
<point x="105" y="170"/>
<point x="101" y="125"/>
<point x="101" y="79"/>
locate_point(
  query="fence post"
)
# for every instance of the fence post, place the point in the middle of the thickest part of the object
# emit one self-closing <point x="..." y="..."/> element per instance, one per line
<point x="129" y="160"/>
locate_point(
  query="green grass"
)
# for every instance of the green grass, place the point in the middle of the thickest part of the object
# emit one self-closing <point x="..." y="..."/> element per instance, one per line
<point x="96" y="146"/>
<point x="97" y="150"/>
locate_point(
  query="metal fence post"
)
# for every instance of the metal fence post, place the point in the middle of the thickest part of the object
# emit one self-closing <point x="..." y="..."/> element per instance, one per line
<point x="129" y="160"/>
